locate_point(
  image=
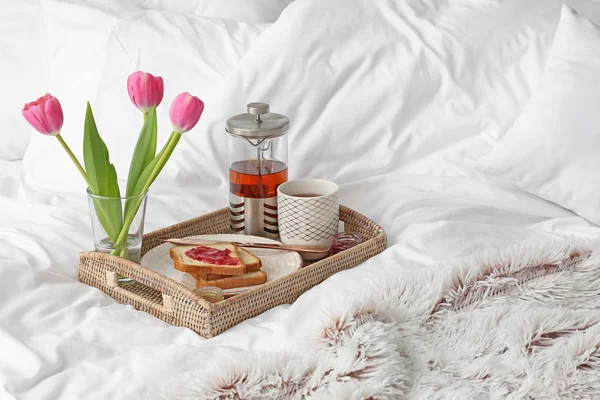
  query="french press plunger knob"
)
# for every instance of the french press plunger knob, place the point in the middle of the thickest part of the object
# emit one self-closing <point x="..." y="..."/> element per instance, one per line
<point x="258" y="109"/>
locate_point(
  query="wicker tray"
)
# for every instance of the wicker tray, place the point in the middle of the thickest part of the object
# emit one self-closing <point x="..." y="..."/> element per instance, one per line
<point x="178" y="305"/>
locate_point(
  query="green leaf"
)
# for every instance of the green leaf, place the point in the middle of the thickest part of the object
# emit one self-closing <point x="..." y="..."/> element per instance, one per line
<point x="149" y="174"/>
<point x="95" y="155"/>
<point x="107" y="210"/>
<point x="112" y="183"/>
<point x="131" y="206"/>
<point x="102" y="177"/>
<point x="144" y="152"/>
<point x="115" y="207"/>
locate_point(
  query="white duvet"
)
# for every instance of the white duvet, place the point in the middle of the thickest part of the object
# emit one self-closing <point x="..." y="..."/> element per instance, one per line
<point x="392" y="100"/>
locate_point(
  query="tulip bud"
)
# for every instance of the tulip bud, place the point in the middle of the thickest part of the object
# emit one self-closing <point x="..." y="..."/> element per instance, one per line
<point x="145" y="90"/>
<point x="185" y="112"/>
<point x="45" y="115"/>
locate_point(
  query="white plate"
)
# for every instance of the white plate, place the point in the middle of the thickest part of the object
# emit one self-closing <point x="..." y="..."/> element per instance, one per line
<point x="275" y="263"/>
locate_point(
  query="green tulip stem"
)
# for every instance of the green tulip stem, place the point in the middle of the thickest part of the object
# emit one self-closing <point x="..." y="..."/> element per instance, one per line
<point x="165" y="154"/>
<point x="73" y="158"/>
<point x="163" y="158"/>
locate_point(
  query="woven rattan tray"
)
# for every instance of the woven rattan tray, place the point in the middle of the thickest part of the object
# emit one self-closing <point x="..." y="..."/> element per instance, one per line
<point x="178" y="305"/>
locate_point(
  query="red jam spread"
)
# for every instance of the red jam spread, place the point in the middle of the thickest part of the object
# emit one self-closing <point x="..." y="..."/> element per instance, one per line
<point x="212" y="256"/>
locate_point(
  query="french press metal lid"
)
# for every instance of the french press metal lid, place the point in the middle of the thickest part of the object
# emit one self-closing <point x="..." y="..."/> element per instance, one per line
<point x="258" y="123"/>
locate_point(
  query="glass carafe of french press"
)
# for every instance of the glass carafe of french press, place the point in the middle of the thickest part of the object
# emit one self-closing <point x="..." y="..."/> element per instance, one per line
<point x="257" y="166"/>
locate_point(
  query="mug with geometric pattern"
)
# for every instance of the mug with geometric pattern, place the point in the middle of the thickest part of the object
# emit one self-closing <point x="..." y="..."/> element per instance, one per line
<point x="308" y="212"/>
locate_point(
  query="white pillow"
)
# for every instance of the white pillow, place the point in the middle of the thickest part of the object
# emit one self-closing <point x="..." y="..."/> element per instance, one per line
<point x="66" y="36"/>
<point x="253" y="11"/>
<point x="553" y="148"/>
<point x="374" y="87"/>
<point x="21" y="38"/>
<point x="92" y="62"/>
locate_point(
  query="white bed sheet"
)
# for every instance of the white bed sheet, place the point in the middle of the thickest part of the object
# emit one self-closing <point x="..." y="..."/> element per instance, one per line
<point x="63" y="340"/>
<point x="60" y="339"/>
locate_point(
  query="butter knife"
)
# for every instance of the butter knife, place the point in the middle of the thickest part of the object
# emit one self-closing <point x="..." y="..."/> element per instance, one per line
<point x="276" y="246"/>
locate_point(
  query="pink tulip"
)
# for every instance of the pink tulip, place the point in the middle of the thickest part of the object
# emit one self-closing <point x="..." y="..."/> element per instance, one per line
<point x="145" y="90"/>
<point x="185" y="112"/>
<point x="45" y="115"/>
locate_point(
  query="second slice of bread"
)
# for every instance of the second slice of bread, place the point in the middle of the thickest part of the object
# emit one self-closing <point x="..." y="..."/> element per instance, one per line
<point x="184" y="263"/>
<point x="249" y="279"/>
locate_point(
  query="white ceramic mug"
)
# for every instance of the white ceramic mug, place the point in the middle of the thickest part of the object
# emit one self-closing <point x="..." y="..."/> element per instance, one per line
<point x="308" y="212"/>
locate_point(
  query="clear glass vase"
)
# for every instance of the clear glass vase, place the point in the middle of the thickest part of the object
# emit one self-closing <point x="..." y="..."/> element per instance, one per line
<point x="118" y="226"/>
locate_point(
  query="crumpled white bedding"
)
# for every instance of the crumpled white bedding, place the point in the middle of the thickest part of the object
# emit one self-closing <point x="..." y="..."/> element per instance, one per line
<point x="392" y="100"/>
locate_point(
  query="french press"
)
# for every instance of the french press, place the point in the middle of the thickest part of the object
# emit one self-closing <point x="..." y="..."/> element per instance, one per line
<point x="257" y="166"/>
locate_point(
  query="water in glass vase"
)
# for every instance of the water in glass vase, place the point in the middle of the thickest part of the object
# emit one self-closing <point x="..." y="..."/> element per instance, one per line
<point x="132" y="252"/>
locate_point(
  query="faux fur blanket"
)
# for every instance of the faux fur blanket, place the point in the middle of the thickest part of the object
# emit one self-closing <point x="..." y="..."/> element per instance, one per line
<point x="519" y="324"/>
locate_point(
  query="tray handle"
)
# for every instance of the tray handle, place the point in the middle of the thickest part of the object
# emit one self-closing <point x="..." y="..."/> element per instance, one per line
<point x="137" y="300"/>
<point x="100" y="270"/>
